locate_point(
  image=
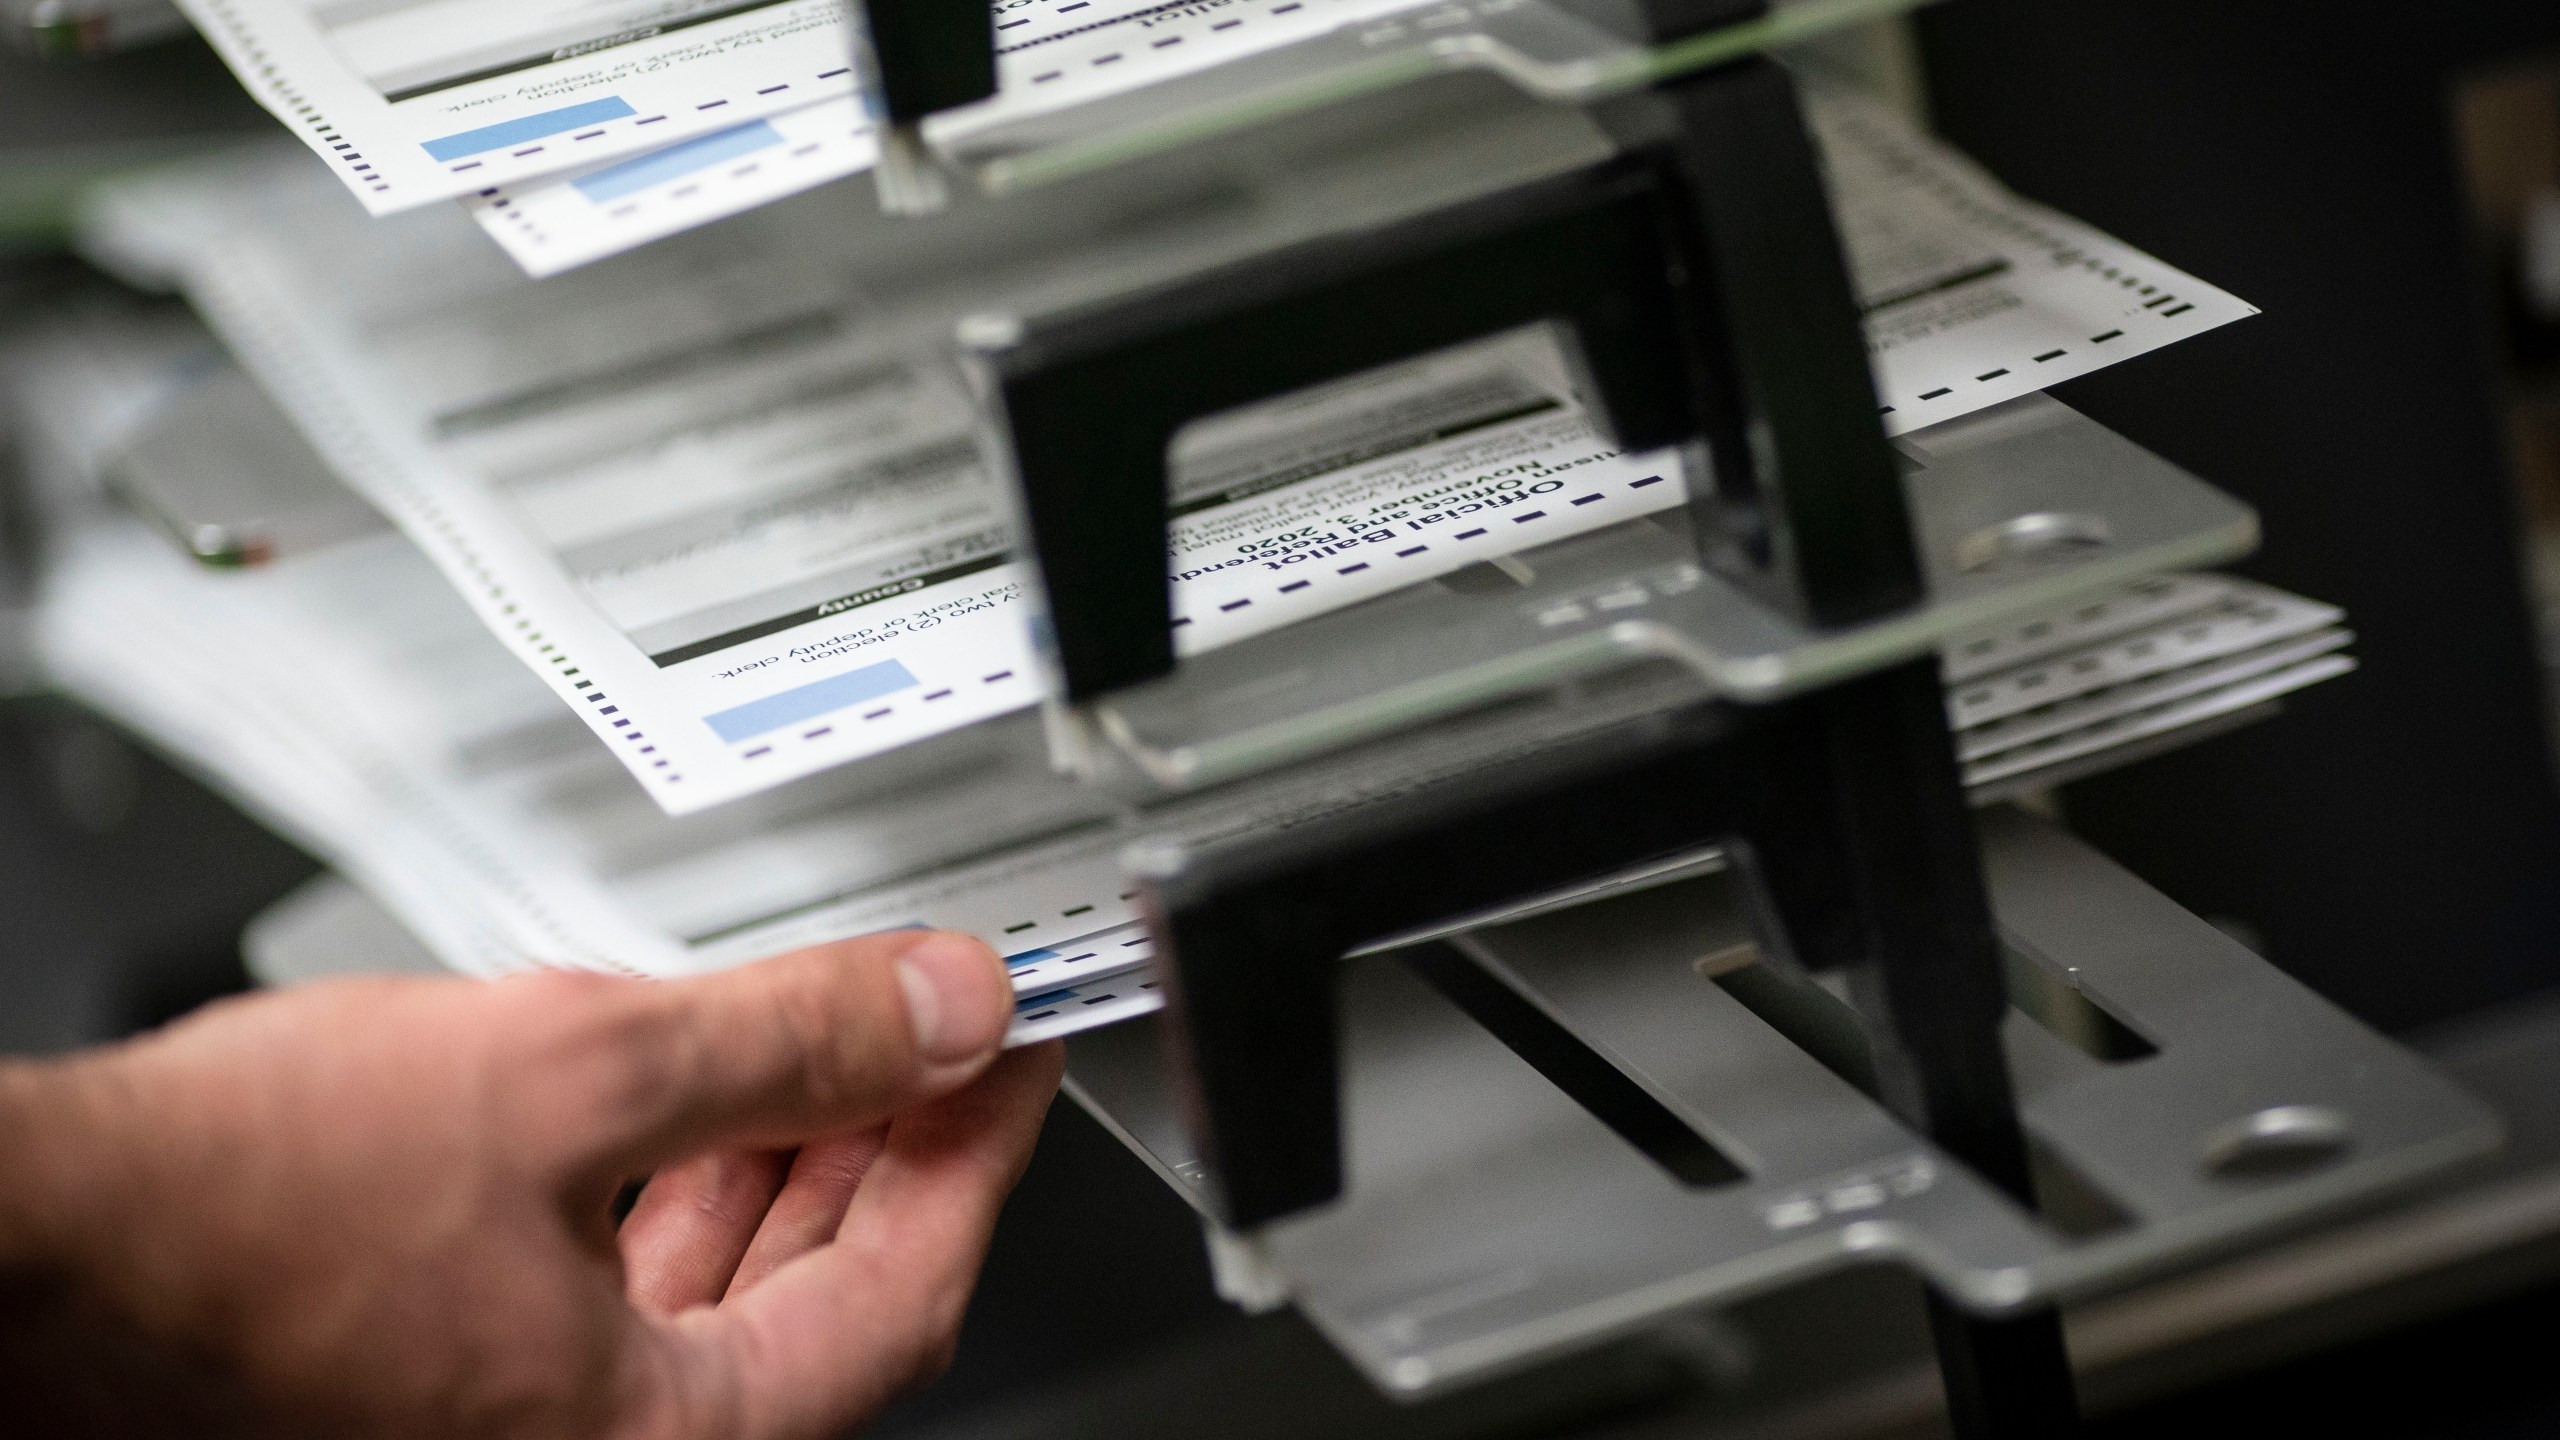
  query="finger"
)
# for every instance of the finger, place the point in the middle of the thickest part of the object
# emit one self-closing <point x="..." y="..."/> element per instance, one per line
<point x="684" y="1237"/>
<point x="829" y="1338"/>
<point x="822" y="1040"/>
<point x="812" y="1203"/>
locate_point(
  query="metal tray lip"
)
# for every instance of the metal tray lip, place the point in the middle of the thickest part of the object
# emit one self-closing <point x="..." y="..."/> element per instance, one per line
<point x="2067" y="1274"/>
<point x="1415" y="1374"/>
<point x="2000" y="1262"/>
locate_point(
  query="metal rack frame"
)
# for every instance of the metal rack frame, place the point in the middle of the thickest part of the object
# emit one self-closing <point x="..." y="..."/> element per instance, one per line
<point x="1697" y="283"/>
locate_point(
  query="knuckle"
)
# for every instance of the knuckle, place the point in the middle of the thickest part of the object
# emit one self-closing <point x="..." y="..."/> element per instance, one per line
<point x="810" y="1022"/>
<point x="599" y="1047"/>
<point x="827" y="1012"/>
<point x="839" y="1166"/>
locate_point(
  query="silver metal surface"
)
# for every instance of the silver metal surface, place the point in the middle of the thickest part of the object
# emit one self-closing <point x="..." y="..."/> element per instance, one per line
<point x="1489" y="1221"/>
<point x="214" y="464"/>
<point x="66" y="29"/>
<point x="1633" y="594"/>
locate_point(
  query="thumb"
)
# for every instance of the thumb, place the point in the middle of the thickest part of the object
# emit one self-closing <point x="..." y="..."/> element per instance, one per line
<point x="820" y="1040"/>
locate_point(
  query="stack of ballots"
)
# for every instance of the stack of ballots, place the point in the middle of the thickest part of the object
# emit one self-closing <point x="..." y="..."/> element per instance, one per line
<point x="662" y="615"/>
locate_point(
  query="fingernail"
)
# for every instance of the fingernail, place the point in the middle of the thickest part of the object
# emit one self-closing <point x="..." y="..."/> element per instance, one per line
<point x="957" y="998"/>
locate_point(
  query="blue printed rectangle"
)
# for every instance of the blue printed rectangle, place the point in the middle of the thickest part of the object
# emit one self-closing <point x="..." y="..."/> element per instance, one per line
<point x="1028" y="957"/>
<point x="676" y="161"/>
<point x="805" y="702"/>
<point x="530" y="127"/>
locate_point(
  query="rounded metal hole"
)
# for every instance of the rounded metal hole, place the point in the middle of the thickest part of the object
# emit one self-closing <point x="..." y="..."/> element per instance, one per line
<point x="2042" y="535"/>
<point x="2277" y="1141"/>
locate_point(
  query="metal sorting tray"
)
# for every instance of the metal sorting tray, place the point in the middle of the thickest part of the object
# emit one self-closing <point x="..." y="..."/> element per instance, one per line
<point x="2184" y="1096"/>
<point x="1539" y="47"/>
<point x="2018" y="508"/>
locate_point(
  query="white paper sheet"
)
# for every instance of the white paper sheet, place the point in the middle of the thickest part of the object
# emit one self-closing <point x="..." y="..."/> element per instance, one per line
<point x="1050" y="54"/>
<point x="346" y="699"/>
<point x="2247" y="618"/>
<point x="2174" y="712"/>
<point x="1974" y="295"/>
<point x="347" y="696"/>
<point x="700" y="491"/>
<point x="322" y="709"/>
<point x="557" y="222"/>
<point x="2143" y="607"/>
<point x="438" y="98"/>
<point x="755" y="548"/>
<point x="420" y="101"/>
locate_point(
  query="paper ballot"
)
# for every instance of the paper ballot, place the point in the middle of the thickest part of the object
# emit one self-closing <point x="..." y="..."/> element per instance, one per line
<point x="345" y="698"/>
<point x="348" y="701"/>
<point x="1973" y="295"/>
<point x="431" y="99"/>
<point x="346" y="695"/>
<point x="712" y="496"/>
<point x="1050" y="54"/>
<point x="413" y="102"/>
<point x="746" y="544"/>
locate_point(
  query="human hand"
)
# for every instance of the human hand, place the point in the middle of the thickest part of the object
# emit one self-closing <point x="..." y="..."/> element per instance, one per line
<point x="383" y="1207"/>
